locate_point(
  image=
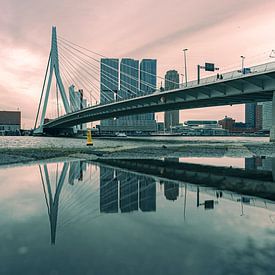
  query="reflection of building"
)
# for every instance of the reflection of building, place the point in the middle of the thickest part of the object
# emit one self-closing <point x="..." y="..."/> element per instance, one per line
<point x="127" y="191"/>
<point x="171" y="191"/>
<point x="171" y="118"/>
<point x="108" y="191"/>
<point x="147" y="194"/>
<point x="10" y="121"/>
<point x="259" y="163"/>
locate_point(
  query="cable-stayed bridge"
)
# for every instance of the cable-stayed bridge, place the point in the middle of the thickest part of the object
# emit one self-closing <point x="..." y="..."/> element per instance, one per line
<point x="75" y="66"/>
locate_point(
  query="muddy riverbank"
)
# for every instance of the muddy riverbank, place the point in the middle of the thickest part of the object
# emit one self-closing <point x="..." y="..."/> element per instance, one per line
<point x="128" y="150"/>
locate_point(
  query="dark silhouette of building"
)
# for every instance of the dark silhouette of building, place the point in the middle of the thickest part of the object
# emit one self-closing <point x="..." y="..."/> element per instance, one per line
<point x="250" y="115"/>
<point x="235" y="127"/>
<point x="10" y="121"/>
<point x="259" y="117"/>
<point x="128" y="191"/>
<point x="171" y="118"/>
<point x="171" y="191"/>
<point x="108" y="190"/>
<point x="147" y="194"/>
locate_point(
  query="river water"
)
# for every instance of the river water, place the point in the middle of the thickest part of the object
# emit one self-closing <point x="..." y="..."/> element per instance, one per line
<point x="77" y="217"/>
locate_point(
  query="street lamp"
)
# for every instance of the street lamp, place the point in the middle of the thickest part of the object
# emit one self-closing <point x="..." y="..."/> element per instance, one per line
<point x="185" y="66"/>
<point x="242" y="57"/>
<point x="182" y="75"/>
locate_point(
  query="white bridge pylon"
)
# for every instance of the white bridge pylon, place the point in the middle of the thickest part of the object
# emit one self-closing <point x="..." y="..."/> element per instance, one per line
<point x="53" y="66"/>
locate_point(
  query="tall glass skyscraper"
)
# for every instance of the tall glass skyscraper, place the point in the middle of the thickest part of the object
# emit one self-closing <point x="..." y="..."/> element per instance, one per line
<point x="171" y="118"/>
<point x="250" y="114"/>
<point x="267" y="115"/>
<point x="109" y="83"/>
<point x="148" y="81"/>
<point x="129" y="85"/>
<point x="131" y="80"/>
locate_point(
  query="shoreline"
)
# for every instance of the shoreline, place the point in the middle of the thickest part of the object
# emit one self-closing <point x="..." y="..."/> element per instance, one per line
<point x="156" y="150"/>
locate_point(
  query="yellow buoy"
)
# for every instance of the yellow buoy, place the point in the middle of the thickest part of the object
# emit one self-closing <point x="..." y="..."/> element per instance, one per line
<point x="89" y="138"/>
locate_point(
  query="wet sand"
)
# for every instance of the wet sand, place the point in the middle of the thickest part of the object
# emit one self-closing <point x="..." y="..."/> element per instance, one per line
<point x="131" y="149"/>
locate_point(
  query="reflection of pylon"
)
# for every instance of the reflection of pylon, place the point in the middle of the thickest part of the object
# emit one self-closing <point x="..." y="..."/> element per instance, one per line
<point x="53" y="66"/>
<point x="53" y="201"/>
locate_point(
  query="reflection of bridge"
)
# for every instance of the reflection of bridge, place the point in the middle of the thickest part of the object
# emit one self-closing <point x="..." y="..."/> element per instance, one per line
<point x="234" y="88"/>
<point x="123" y="191"/>
<point x="249" y="182"/>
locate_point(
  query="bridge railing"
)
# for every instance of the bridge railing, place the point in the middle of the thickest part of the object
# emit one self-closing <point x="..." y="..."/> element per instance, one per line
<point x="270" y="66"/>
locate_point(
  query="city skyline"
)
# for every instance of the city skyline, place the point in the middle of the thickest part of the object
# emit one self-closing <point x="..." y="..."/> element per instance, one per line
<point x="25" y="41"/>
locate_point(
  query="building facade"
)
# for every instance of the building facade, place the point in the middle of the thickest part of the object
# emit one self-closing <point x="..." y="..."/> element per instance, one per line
<point x="148" y="83"/>
<point x="250" y="115"/>
<point x="135" y="79"/>
<point x="10" y="122"/>
<point x="171" y="118"/>
<point x="109" y="84"/>
<point x="259" y="117"/>
<point x="267" y="115"/>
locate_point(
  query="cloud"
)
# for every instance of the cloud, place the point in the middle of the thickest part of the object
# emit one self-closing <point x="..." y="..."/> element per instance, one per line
<point x="136" y="28"/>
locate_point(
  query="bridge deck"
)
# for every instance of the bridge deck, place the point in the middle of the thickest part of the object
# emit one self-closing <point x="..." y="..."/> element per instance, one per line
<point x="234" y="88"/>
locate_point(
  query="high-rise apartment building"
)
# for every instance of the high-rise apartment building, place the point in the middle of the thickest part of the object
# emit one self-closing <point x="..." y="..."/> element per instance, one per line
<point x="267" y="115"/>
<point x="129" y="82"/>
<point x="259" y="117"/>
<point x="148" y="82"/>
<point x="171" y="118"/>
<point x="130" y="79"/>
<point x="129" y="87"/>
<point x="109" y="83"/>
<point x="250" y="114"/>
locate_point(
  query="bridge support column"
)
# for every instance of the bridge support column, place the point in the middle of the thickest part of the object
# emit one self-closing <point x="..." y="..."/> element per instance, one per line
<point x="272" y="130"/>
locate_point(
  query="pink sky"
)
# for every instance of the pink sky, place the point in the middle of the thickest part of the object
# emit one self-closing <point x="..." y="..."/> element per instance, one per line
<point x="214" y="31"/>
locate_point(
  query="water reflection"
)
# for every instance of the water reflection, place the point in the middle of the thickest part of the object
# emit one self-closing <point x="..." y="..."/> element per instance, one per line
<point x="114" y="219"/>
<point x="122" y="191"/>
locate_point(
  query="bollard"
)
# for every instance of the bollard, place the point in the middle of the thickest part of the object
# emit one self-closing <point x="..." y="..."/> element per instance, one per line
<point x="89" y="138"/>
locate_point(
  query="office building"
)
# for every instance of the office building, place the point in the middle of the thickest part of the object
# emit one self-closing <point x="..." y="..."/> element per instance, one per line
<point x="130" y="79"/>
<point x="77" y="102"/>
<point x="259" y="117"/>
<point x="10" y="122"/>
<point x="267" y="115"/>
<point x="129" y="82"/>
<point x="171" y="118"/>
<point x="250" y="115"/>
<point x="148" y="81"/>
<point x="109" y="84"/>
<point x="129" y="87"/>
